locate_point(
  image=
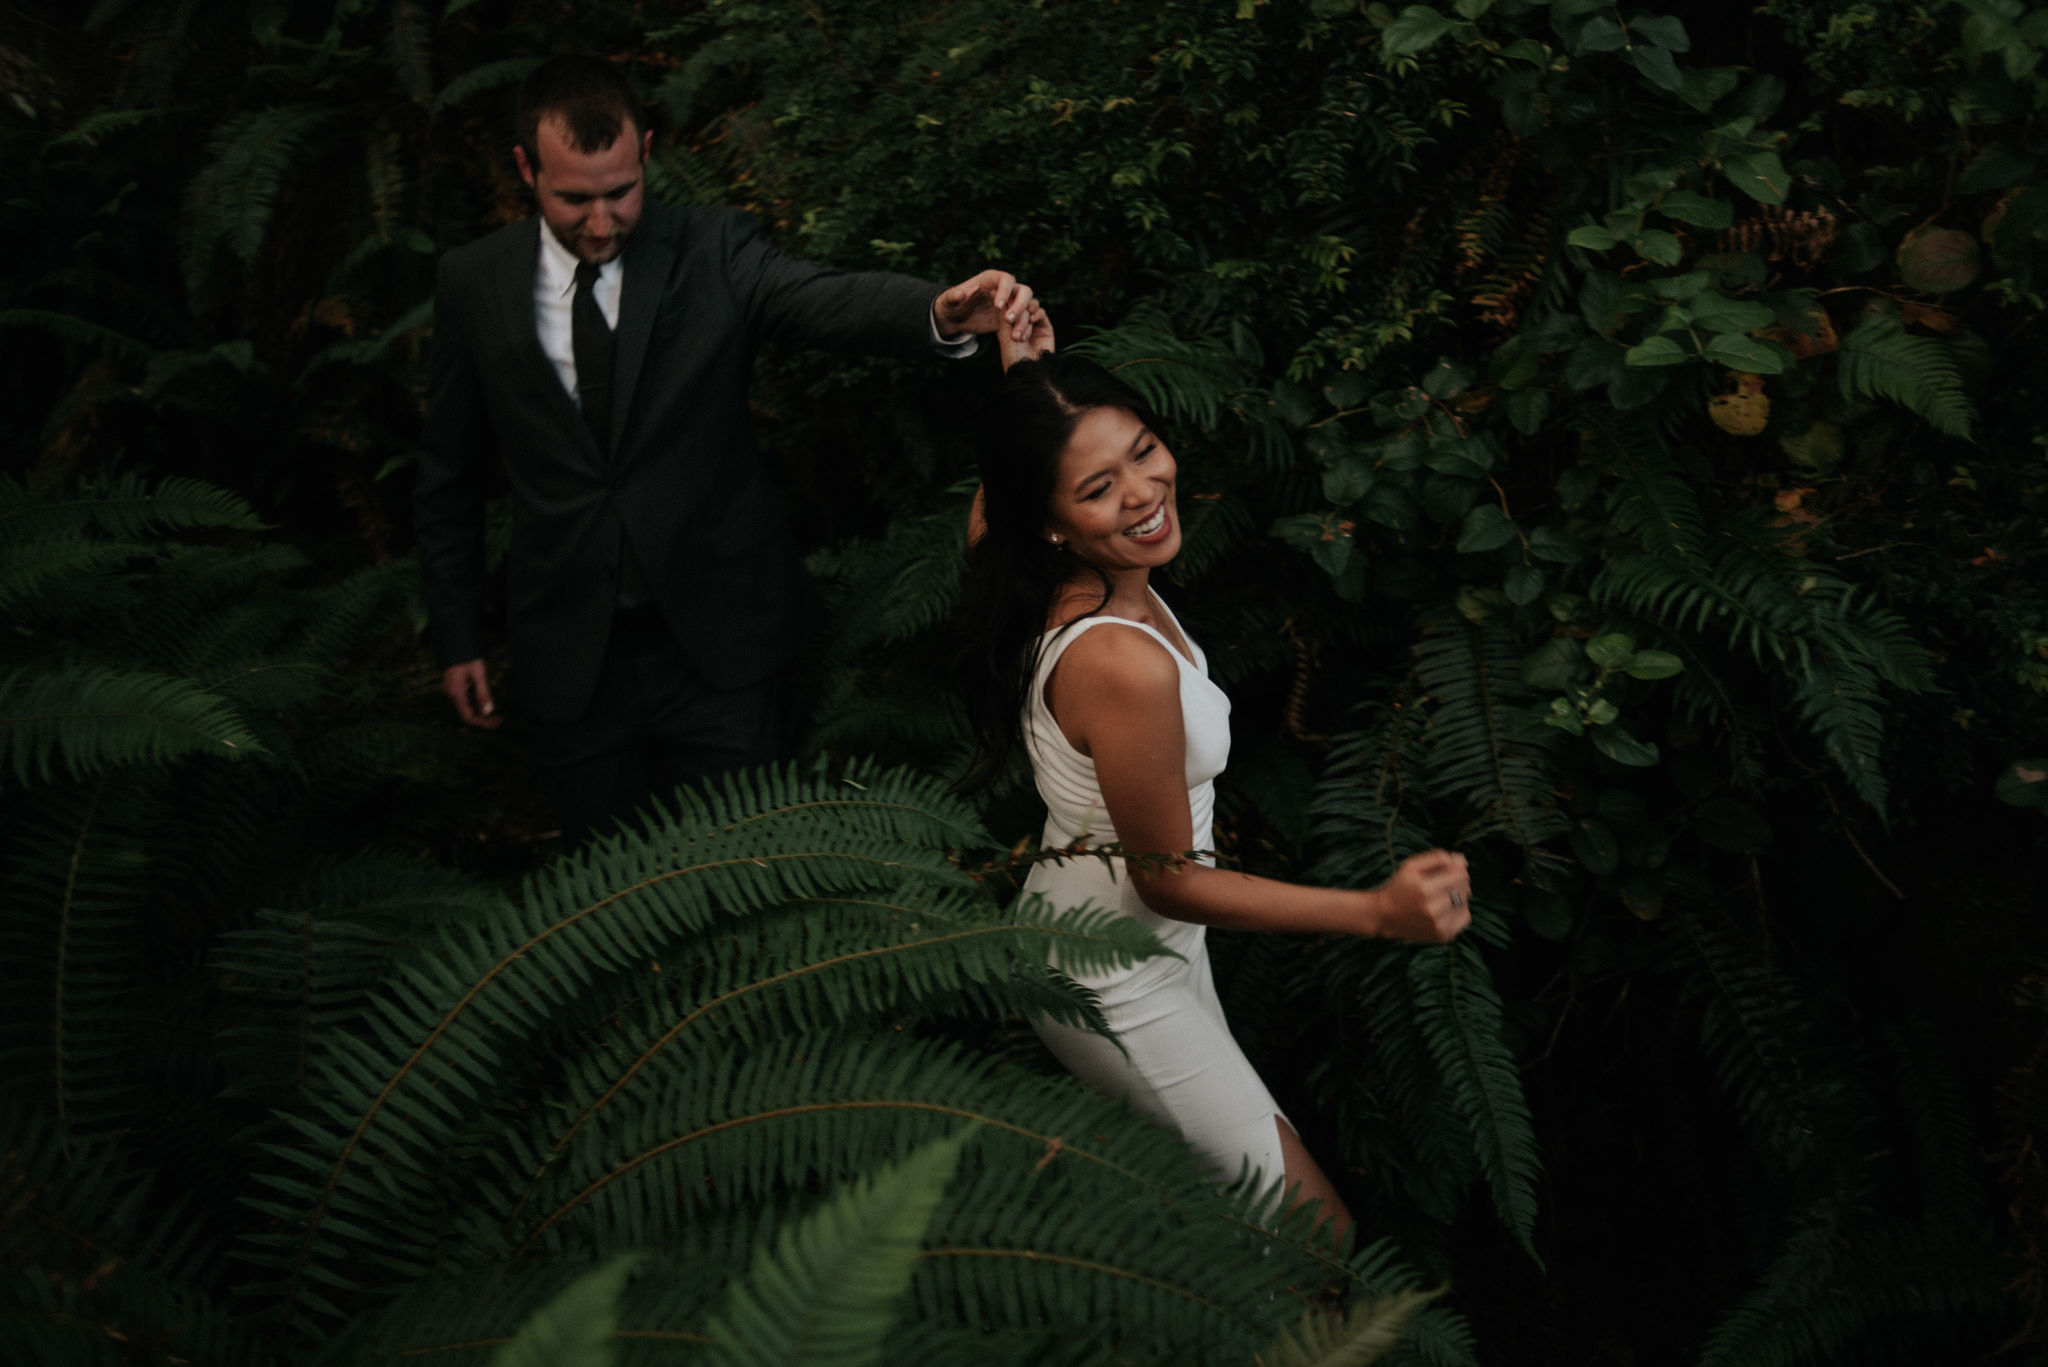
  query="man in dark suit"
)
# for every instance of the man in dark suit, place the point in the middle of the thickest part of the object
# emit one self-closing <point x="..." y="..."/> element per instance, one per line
<point x="602" y="351"/>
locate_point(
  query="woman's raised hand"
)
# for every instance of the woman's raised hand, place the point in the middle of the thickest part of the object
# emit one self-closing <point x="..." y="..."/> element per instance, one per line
<point x="1034" y="344"/>
<point x="1428" y="900"/>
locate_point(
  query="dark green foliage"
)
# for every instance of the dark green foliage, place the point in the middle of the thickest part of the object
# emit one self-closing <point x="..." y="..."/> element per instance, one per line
<point x="1436" y="302"/>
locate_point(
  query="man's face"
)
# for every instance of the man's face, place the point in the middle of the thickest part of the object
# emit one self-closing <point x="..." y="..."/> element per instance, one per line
<point x="591" y="200"/>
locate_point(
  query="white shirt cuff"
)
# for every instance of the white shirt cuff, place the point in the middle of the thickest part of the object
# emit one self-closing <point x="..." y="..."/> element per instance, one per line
<point x="956" y="347"/>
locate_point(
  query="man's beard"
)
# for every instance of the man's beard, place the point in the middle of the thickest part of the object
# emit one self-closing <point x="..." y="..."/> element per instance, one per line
<point x="622" y="234"/>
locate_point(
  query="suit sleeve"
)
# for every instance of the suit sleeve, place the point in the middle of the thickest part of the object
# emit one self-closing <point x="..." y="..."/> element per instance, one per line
<point x="448" y="500"/>
<point x="799" y="304"/>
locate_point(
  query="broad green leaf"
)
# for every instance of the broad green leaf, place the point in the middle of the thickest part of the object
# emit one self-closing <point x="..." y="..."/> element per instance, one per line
<point x="1447" y="379"/>
<point x="1478" y="605"/>
<point x="1472" y="9"/>
<point x="1642" y="891"/>
<point x="1527" y="50"/>
<point x="1523" y="584"/>
<point x="1391" y="506"/>
<point x="1698" y="210"/>
<point x="1745" y="353"/>
<point x="1595" y="846"/>
<point x="1527" y="408"/>
<point x="1719" y="313"/>
<point x="1487" y="528"/>
<point x="1591" y="237"/>
<point x="1414" y="29"/>
<point x="1665" y="30"/>
<point x="1682" y="287"/>
<point x="1603" y="712"/>
<point x="1600" y="34"/>
<point x="1994" y="168"/>
<point x="1556" y="545"/>
<point x="1702" y="88"/>
<point x="1619" y="746"/>
<point x="1347" y="480"/>
<point x="1727" y="824"/>
<point x="1659" y="246"/>
<point x="1657" y="67"/>
<point x="1634" y="386"/>
<point x="1612" y="651"/>
<point x="1654" y="664"/>
<point x="1347" y="389"/>
<point x="1760" y="175"/>
<point x="1557" y="664"/>
<point x="1658" y="350"/>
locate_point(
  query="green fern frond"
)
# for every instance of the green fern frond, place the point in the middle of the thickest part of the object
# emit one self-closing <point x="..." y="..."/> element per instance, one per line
<point x="478" y="79"/>
<point x="827" y="1292"/>
<point x="71" y="328"/>
<point x="1368" y="812"/>
<point x="228" y="205"/>
<point x="1751" y="1029"/>
<point x="1881" y="360"/>
<point x="1827" y="642"/>
<point x="28" y="567"/>
<point x="1460" y="1016"/>
<point x="1837" y="1286"/>
<point x="578" y="1328"/>
<point x="127" y="508"/>
<point x="1365" y="1334"/>
<point x="84" y="720"/>
<point x="1947" y="1152"/>
<point x="1191" y="381"/>
<point x="1654" y="501"/>
<point x="1505" y="783"/>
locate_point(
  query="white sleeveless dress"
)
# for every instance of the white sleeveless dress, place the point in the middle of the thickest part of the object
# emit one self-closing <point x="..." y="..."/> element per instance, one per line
<point x="1181" y="1065"/>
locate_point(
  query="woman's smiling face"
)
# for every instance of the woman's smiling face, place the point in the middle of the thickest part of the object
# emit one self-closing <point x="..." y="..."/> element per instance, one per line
<point x="1112" y="498"/>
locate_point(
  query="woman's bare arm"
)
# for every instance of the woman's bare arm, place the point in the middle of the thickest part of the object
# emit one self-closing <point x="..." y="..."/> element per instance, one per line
<point x="1116" y="696"/>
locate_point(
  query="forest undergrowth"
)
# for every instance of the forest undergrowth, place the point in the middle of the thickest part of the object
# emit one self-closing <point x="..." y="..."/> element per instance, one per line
<point x="1613" y="443"/>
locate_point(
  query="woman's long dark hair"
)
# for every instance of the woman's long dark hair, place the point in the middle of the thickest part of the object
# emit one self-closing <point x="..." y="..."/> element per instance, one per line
<point x="1013" y="572"/>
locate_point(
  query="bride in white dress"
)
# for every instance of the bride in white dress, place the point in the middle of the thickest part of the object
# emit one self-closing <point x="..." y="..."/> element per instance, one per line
<point x="1072" y="656"/>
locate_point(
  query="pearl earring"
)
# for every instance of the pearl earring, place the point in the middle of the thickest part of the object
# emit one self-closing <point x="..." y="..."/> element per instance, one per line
<point x="1054" y="538"/>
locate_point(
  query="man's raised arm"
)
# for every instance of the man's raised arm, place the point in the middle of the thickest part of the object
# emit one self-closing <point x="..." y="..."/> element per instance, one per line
<point x="795" y="302"/>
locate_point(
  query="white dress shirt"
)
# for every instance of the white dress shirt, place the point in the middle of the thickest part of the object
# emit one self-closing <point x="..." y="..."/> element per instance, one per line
<point x="554" y="293"/>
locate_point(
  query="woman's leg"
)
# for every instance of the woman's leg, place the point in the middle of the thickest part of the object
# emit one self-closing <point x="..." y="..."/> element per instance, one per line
<point x="1306" y="1181"/>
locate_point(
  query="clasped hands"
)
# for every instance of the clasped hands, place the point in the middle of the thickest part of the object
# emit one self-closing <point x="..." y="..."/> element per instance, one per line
<point x="993" y="301"/>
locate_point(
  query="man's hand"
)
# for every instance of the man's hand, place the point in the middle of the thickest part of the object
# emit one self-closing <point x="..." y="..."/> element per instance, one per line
<point x="1428" y="900"/>
<point x="989" y="302"/>
<point x="469" y="688"/>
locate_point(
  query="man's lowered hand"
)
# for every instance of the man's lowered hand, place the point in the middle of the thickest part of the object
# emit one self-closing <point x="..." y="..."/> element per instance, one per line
<point x="468" y="686"/>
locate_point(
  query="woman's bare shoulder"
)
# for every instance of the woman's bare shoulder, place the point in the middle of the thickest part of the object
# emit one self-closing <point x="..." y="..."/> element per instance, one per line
<point x="1121" y="660"/>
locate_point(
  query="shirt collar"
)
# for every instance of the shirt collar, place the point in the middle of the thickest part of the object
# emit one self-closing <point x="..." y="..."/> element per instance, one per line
<point x="558" y="265"/>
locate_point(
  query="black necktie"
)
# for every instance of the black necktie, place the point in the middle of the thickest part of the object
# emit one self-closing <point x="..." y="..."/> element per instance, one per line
<point x="591" y="337"/>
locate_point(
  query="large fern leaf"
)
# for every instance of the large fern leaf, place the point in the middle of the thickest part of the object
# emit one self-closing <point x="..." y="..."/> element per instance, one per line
<point x="81" y="720"/>
<point x="228" y="205"/>
<point x="1883" y="361"/>
<point x="826" y="1293"/>
<point x="1460" y="1017"/>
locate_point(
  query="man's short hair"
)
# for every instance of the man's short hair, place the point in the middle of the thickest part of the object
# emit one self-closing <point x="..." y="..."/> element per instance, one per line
<point x="590" y="97"/>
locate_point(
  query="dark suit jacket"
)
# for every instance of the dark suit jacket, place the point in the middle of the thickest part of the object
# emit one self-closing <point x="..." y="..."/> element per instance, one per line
<point x="682" y="482"/>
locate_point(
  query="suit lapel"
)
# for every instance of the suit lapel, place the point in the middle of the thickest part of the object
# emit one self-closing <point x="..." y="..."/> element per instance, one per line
<point x="538" y="374"/>
<point x="648" y="262"/>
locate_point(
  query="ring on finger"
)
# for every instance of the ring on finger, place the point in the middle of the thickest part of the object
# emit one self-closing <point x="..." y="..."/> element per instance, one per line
<point x="1457" y="899"/>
